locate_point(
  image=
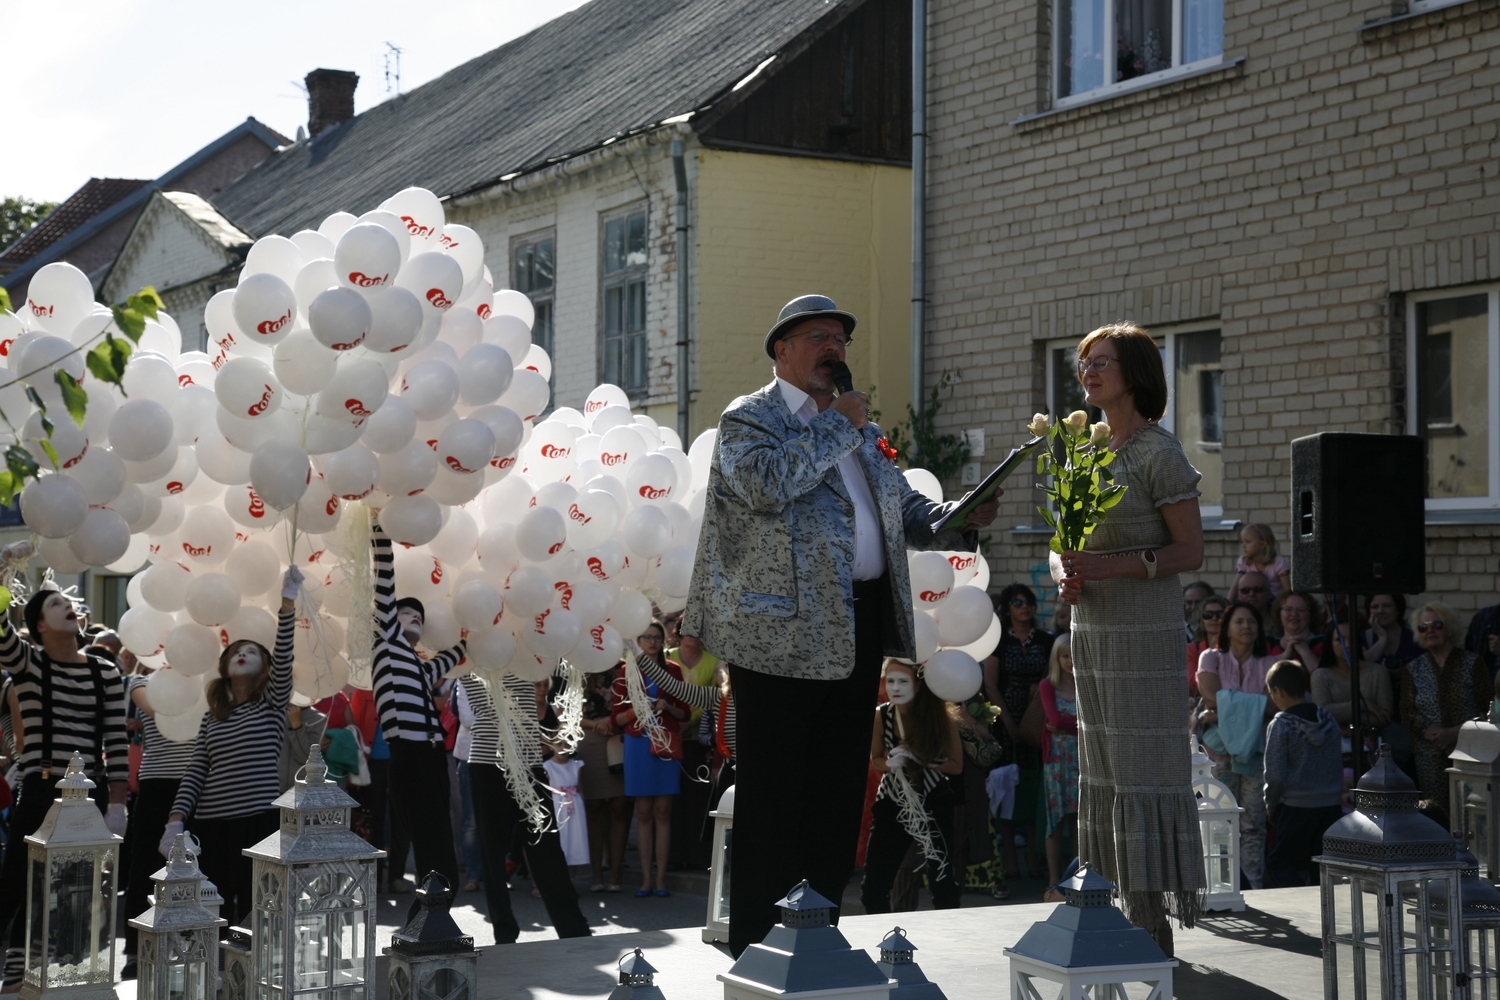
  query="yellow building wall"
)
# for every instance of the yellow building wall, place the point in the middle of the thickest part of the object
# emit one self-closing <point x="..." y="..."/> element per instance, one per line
<point x="771" y="228"/>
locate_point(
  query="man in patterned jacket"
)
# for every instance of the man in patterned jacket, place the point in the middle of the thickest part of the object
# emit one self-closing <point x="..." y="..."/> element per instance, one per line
<point x="801" y="585"/>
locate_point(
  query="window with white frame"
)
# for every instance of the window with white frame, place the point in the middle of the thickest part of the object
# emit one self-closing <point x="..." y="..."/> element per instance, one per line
<point x="623" y="292"/>
<point x="533" y="272"/>
<point x="1195" y="400"/>
<point x="1453" y="357"/>
<point x="1104" y="45"/>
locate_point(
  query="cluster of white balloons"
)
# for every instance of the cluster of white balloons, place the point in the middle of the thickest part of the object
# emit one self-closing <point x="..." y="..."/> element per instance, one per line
<point x="370" y="360"/>
<point x="956" y="626"/>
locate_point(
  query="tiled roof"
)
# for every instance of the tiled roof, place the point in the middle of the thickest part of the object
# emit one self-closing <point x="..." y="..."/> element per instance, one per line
<point x="81" y="206"/>
<point x="604" y="70"/>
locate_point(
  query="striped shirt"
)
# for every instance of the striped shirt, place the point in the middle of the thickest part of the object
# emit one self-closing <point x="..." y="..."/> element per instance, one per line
<point x="931" y="776"/>
<point x="234" y="770"/>
<point x="403" y="680"/>
<point x="704" y="696"/>
<point x="67" y="707"/>
<point x="484" y="730"/>
<point x="160" y="757"/>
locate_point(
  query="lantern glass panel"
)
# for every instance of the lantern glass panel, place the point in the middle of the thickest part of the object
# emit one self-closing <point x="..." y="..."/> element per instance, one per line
<point x="1218" y="839"/>
<point x="721" y="864"/>
<point x="70" y="931"/>
<point x="185" y="981"/>
<point x="1411" y="906"/>
<point x="1370" y="973"/>
<point x="1341" y="892"/>
<point x="104" y="887"/>
<point x="36" y="917"/>
<point x="312" y="952"/>
<point x="348" y="993"/>
<point x="146" y="985"/>
<point x="270" y="938"/>
<point x="400" y="985"/>
<point x="1476" y="823"/>
<point x="1343" y="957"/>
<point x="348" y="947"/>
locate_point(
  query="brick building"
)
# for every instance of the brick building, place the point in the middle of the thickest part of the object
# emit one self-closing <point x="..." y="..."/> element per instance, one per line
<point x="1300" y="200"/>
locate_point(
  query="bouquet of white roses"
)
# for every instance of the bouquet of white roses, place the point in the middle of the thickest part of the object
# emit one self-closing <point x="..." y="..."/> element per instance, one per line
<point x="1080" y="485"/>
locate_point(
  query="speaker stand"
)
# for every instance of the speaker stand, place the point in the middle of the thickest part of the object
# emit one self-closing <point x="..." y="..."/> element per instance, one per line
<point x="1356" y="695"/>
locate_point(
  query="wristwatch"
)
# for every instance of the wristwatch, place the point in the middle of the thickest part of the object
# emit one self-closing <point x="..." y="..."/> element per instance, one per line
<point x="1148" y="556"/>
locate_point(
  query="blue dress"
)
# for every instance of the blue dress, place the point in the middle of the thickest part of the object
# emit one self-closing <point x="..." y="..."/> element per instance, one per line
<point x="645" y="773"/>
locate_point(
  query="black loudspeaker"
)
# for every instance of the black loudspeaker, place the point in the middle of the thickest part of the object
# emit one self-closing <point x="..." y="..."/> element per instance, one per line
<point x="1358" y="516"/>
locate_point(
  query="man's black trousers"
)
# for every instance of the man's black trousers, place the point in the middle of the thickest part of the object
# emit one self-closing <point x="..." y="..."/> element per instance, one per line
<point x="419" y="799"/>
<point x="801" y="759"/>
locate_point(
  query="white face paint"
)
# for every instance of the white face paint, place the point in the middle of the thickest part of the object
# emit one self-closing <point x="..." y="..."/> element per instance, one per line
<point x="246" y="662"/>
<point x="58" y="613"/>
<point x="900" y="687"/>
<point x="411" y="624"/>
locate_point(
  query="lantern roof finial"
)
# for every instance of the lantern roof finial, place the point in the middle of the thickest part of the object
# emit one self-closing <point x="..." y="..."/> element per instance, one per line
<point x="635" y="970"/>
<point x="75" y="779"/>
<point x="316" y="770"/>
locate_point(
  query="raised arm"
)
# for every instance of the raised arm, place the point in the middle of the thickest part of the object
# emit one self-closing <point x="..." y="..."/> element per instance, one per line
<point x="445" y="661"/>
<point x="768" y="472"/>
<point x="384" y="565"/>
<point x="279" y="687"/>
<point x="191" y="785"/>
<point x="15" y="652"/>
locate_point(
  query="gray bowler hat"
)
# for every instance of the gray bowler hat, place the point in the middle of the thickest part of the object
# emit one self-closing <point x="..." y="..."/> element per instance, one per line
<point x="801" y="309"/>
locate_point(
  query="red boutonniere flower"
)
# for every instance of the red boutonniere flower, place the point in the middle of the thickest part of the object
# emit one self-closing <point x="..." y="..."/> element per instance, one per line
<point x="884" y="444"/>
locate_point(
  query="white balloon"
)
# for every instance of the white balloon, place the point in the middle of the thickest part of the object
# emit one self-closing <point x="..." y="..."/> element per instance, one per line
<point x="250" y="622"/>
<point x="646" y="532"/>
<point x="492" y="648"/>
<point x="466" y="446"/>
<point x="340" y="319"/>
<point x="541" y="534"/>
<point x="598" y="650"/>
<point x="509" y="332"/>
<point x="391" y="427"/>
<point x="326" y="435"/>
<point x="408" y="471"/>
<point x="180" y="728"/>
<point x="461" y="329"/>
<point x="604" y="395"/>
<point x="58" y="297"/>
<point x="318" y="510"/>
<point x="280" y="472"/>
<point x="254" y="567"/>
<point x="193" y="649"/>
<point x="101" y="539"/>
<point x="528" y="591"/>
<point x="366" y="258"/>
<point x="207" y="536"/>
<point x="931" y="578"/>
<point x="316" y="276"/>
<point x="455" y="543"/>
<point x="54" y="506"/>
<point x="411" y="520"/>
<point x="527" y="395"/>
<point x="926" y="635"/>
<point x="925" y="483"/>
<point x="303" y="365"/>
<point x="431" y="387"/>
<point x="592" y="519"/>
<point x="630" y="613"/>
<point x="963" y="616"/>
<point x="986" y="644"/>
<point x="57" y="554"/>
<point x="357" y="390"/>
<point x="476" y="604"/>
<point x="150" y="376"/>
<point x="589" y="601"/>
<point x="352" y="473"/>
<point x="213" y="599"/>
<point x="965" y="565"/>
<point x="173" y="692"/>
<point x="219" y="460"/>
<point x="508" y="500"/>
<point x="952" y="675"/>
<point x="264" y="308"/>
<point x="675" y="571"/>
<point x="273" y="255"/>
<point x="552" y="632"/>
<point x="619" y="448"/>
<point x="144" y="630"/>
<point x="485" y="373"/>
<point x="652" y="479"/>
<point x="246" y="388"/>
<point x="496" y="548"/>
<point x="141" y="429"/>
<point x="420" y="211"/>
<point x="465" y="247"/>
<point x="335" y="226"/>
<point x="135" y="556"/>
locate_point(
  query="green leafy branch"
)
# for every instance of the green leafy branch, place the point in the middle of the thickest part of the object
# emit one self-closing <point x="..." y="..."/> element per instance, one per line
<point x="104" y="360"/>
<point x="918" y="440"/>
<point x="1080" y="485"/>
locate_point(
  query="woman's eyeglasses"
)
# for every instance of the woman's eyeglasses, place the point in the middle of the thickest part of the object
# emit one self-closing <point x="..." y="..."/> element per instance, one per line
<point x="1424" y="626"/>
<point x="648" y="637"/>
<point x="1100" y="364"/>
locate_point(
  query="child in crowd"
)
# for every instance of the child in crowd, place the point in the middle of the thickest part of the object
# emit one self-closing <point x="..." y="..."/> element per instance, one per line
<point x="1304" y="775"/>
<point x="1258" y="555"/>
<point x="1059" y="753"/>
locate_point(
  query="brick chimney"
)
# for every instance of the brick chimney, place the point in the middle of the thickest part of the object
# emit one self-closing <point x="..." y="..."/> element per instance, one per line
<point x="330" y="98"/>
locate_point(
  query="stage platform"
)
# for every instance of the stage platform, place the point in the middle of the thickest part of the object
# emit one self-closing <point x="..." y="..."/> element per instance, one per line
<point x="1272" y="949"/>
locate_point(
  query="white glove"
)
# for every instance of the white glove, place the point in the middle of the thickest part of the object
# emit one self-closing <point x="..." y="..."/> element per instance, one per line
<point x="291" y="582"/>
<point x="173" y="829"/>
<point x="898" y="758"/>
<point x="114" y="818"/>
<point x="18" y="550"/>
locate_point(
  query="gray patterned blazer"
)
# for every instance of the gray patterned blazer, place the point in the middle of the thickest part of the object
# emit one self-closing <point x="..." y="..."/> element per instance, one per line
<point x="772" y="586"/>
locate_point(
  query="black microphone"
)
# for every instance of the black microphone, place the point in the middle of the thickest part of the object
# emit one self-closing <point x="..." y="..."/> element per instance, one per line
<point x="843" y="378"/>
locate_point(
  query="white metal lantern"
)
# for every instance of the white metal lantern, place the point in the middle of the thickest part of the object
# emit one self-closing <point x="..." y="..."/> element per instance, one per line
<point x="179" y="949"/>
<point x="637" y="980"/>
<point x="313" y="887"/>
<point x="238" y="977"/>
<point x="1219" y="829"/>
<point x="1474" y="793"/>
<point x="1481" y="927"/>
<point x="805" y="956"/>
<point x="72" y="863"/>
<point x="1390" y="892"/>
<point x="1089" y="949"/>
<point x="431" y="959"/>
<point x="898" y="961"/>
<point x="716" y="929"/>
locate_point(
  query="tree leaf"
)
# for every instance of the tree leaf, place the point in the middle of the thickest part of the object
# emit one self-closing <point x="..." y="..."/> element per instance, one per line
<point x="51" y="453"/>
<point x="146" y="302"/>
<point x="5" y="301"/>
<point x="75" y="397"/>
<point x="106" y="362"/>
<point x="131" y="323"/>
<point x="20" y="464"/>
<point x="1056" y="544"/>
<point x="7" y="487"/>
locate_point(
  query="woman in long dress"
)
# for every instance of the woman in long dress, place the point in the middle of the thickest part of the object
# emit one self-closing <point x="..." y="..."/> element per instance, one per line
<point x="1137" y="819"/>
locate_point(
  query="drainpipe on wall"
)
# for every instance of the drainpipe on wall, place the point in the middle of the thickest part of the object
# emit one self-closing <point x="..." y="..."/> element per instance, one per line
<point x="918" y="201"/>
<point x="679" y="167"/>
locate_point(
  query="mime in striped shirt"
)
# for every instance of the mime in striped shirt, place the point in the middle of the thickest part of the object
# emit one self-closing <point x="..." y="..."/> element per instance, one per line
<point x="405" y="684"/>
<point x="69" y="703"/>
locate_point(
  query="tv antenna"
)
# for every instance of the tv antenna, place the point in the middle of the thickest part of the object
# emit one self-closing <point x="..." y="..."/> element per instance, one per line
<point x="392" y="69"/>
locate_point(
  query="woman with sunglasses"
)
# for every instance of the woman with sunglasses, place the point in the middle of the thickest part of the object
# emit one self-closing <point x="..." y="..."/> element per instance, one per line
<point x="1332" y="682"/>
<point x="1440" y="691"/>
<point x="1011" y="677"/>
<point x="1208" y="620"/>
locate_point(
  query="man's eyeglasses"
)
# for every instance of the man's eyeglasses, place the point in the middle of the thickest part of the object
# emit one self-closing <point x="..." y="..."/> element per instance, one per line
<point x="1254" y="590"/>
<point x="1424" y="626"/>
<point x="820" y="337"/>
<point x="1099" y="364"/>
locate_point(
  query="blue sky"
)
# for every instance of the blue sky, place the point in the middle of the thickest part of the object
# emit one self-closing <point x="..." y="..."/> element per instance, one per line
<point x="126" y="88"/>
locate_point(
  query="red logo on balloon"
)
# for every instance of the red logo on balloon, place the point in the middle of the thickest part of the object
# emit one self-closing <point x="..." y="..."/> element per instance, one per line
<point x="605" y="458"/>
<point x="447" y="242"/>
<point x="962" y="562"/>
<point x="596" y="636"/>
<point x="578" y="515"/>
<point x="351" y="345"/>
<point x="5" y="347"/>
<point x="438" y="299"/>
<point x="416" y="228"/>
<point x="271" y="326"/>
<point x="77" y="458"/>
<point x="362" y="280"/>
<point x="596" y="567"/>
<point x="456" y="465"/>
<point x="174" y="487"/>
<point x="194" y="550"/>
<point x="259" y="407"/>
<point x="504" y="463"/>
<point x="541" y="622"/>
<point x="553" y="550"/>
<point x="37" y="310"/>
<point x="437" y="573"/>
<point x="567" y="598"/>
<point x="257" y="505"/>
<point x="654" y="493"/>
<point x="933" y="596"/>
<point x="356" y="407"/>
<point x="332" y="506"/>
<point x="594" y="406"/>
<point x="484" y="310"/>
<point x="182" y="380"/>
<point x="553" y="451"/>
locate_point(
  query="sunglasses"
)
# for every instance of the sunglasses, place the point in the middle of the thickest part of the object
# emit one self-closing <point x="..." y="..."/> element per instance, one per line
<point x="1254" y="590"/>
<point x="1424" y="626"/>
<point x="1021" y="602"/>
<point x="1212" y="616"/>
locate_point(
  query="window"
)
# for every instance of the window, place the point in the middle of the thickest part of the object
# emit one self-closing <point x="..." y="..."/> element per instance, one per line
<point x="623" y="290"/>
<point x="1453" y="353"/>
<point x="1195" y="400"/>
<point x="1147" y="38"/>
<point x="532" y="260"/>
